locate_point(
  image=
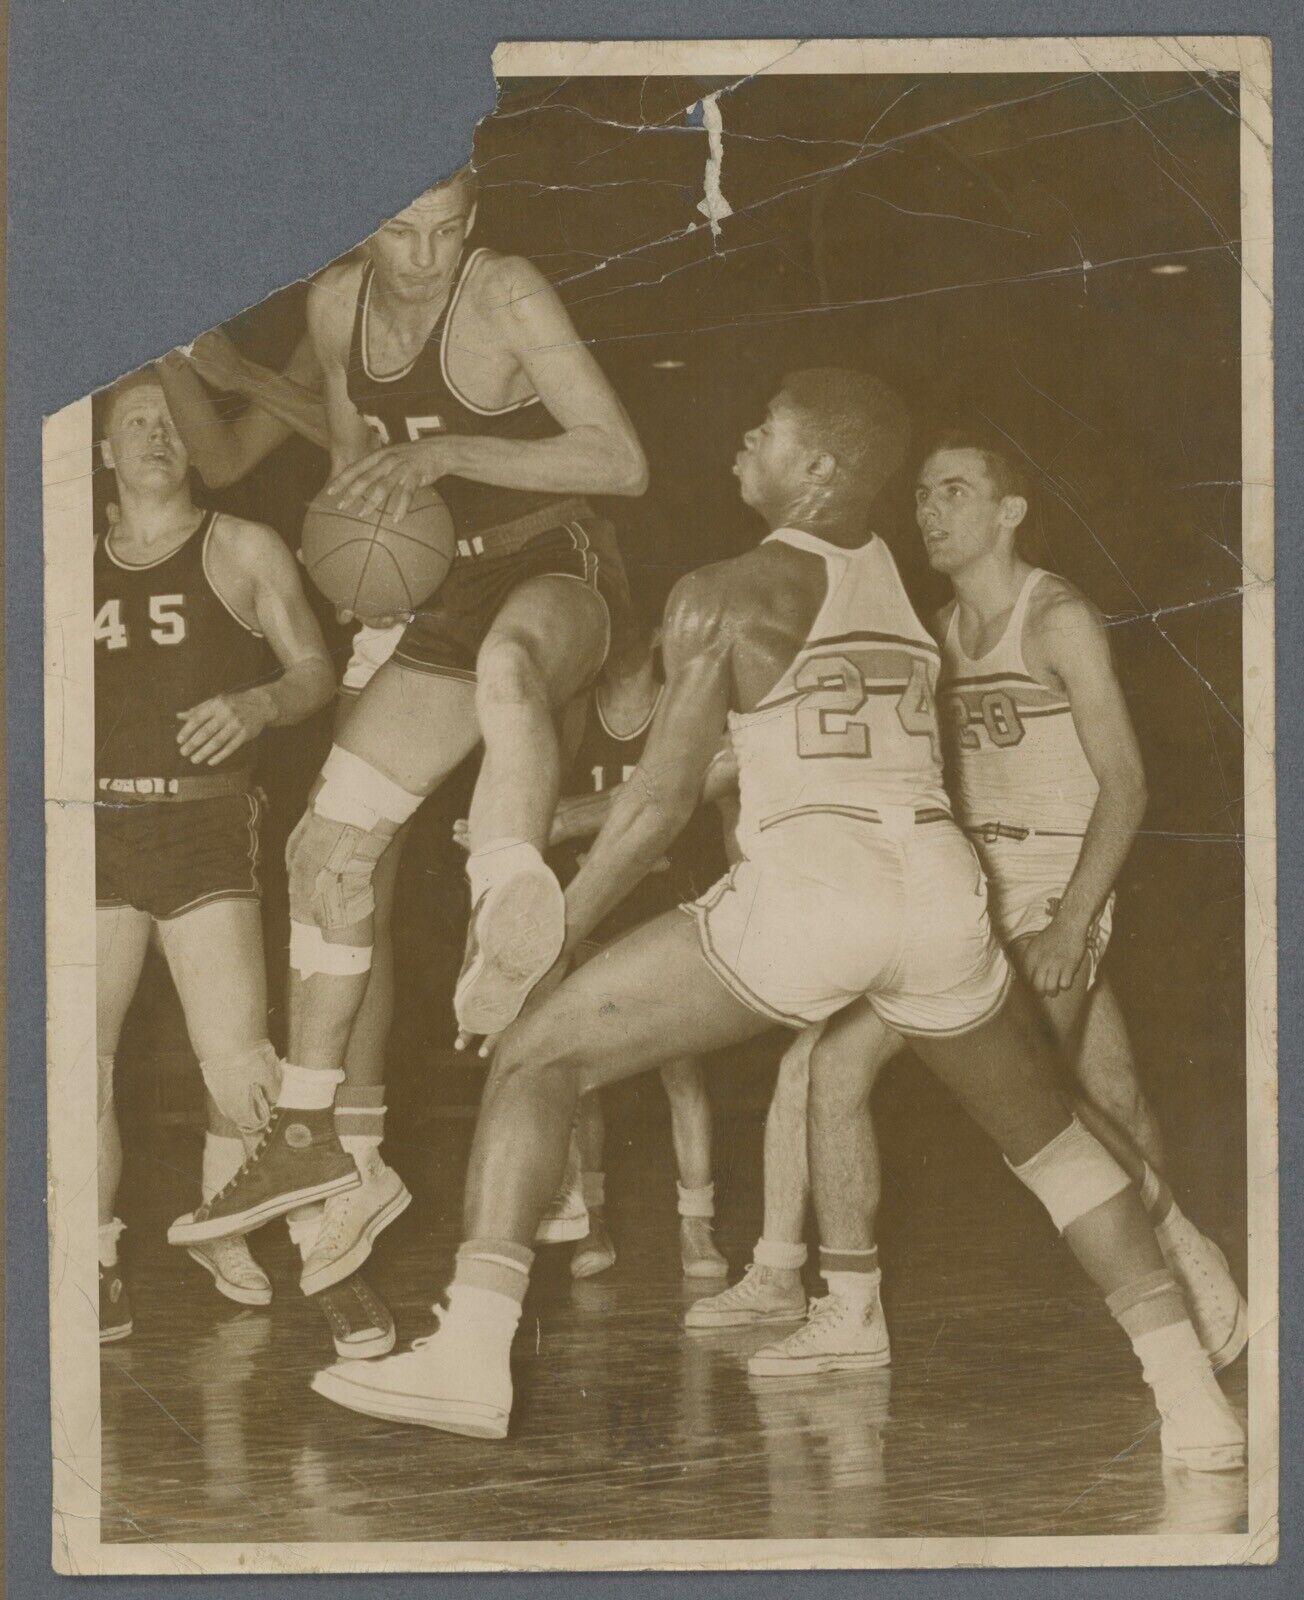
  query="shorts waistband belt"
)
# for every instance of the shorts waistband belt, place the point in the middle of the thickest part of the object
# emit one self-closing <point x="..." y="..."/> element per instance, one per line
<point x="887" y="814"/>
<point x="206" y="786"/>
<point x="508" y="537"/>
<point x="990" y="832"/>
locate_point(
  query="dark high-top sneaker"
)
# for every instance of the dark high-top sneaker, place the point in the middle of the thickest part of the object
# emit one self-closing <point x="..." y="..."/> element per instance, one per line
<point x="298" y="1160"/>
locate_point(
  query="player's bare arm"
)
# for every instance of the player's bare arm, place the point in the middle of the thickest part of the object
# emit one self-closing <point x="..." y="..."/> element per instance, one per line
<point x="224" y="449"/>
<point x="655" y="806"/>
<point x="597" y="451"/>
<point x="581" y="816"/>
<point x="1066" y="641"/>
<point x="329" y="313"/>
<point x="258" y="579"/>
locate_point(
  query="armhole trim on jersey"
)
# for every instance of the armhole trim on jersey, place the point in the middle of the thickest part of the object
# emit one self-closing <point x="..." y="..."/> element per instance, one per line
<point x="480" y="411"/>
<point x="628" y="738"/>
<point x="208" y="579"/>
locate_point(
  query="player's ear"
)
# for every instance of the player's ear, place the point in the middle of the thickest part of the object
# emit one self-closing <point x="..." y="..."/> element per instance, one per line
<point x="106" y="454"/>
<point x="1013" y="510"/>
<point x="821" y="467"/>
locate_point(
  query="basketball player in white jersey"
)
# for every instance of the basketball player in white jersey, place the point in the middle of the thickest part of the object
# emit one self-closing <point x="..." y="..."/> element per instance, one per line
<point x="203" y="638"/>
<point x="467" y="366"/>
<point x="1043" y="761"/>
<point x="854" y="882"/>
<point x="334" y="1238"/>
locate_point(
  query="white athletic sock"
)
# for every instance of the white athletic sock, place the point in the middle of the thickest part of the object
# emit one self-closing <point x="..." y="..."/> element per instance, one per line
<point x="108" y="1242"/>
<point x="307" y="1088"/>
<point x="365" y="1150"/>
<point x="303" y="1225"/>
<point x="699" y="1202"/>
<point x="493" y="1315"/>
<point x="499" y="860"/>
<point x="594" y="1185"/>
<point x="223" y="1158"/>
<point x="779" y="1255"/>
<point x="1177" y="1232"/>
<point x="855" y="1289"/>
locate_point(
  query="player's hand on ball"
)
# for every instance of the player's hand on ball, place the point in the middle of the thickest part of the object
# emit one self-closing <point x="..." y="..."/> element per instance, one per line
<point x="1053" y="956"/>
<point x="387" y="479"/>
<point x="462" y="833"/>
<point x="217" y="728"/>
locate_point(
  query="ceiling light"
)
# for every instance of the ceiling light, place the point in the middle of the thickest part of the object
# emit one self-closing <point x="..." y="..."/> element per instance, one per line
<point x="1169" y="269"/>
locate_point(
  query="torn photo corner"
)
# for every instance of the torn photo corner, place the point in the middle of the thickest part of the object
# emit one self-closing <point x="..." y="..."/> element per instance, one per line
<point x="823" y="487"/>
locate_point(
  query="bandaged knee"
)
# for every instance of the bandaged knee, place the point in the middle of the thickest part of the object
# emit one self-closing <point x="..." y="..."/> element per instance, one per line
<point x="351" y="822"/>
<point x="1072" y="1175"/>
<point x="243" y="1085"/>
<point x="312" y="953"/>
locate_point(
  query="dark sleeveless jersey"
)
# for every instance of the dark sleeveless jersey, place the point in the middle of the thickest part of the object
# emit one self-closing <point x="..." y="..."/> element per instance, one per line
<point x="164" y="641"/>
<point x="693" y="862"/>
<point x="420" y="401"/>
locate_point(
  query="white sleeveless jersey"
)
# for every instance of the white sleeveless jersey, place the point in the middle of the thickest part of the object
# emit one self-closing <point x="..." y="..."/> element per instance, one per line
<point x="1010" y="742"/>
<point x="852" y="724"/>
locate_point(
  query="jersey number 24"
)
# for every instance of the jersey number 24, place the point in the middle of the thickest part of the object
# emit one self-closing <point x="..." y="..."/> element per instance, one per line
<point x="833" y="689"/>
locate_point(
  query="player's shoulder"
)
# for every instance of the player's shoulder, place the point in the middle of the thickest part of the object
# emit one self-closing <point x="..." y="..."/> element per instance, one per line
<point x="1057" y="606"/>
<point x="726" y="597"/>
<point x="252" y="547"/>
<point x="505" y="282"/>
<point x="332" y="296"/>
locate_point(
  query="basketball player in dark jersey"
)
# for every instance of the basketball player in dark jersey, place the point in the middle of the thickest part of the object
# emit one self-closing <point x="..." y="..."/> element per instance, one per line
<point x="469" y="366"/>
<point x="203" y="638"/>
<point x="604" y="734"/>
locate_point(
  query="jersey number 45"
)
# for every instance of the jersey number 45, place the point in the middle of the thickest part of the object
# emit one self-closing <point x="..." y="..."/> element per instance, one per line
<point x="165" y="612"/>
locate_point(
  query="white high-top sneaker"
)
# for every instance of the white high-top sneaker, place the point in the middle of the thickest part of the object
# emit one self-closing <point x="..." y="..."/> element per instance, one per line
<point x="234" y="1271"/>
<point x="761" y="1295"/>
<point x="1217" y="1308"/>
<point x="1198" y="1428"/>
<point x="567" y="1217"/>
<point x="459" y="1379"/>
<point x="350" y="1225"/>
<point x="835" y="1337"/>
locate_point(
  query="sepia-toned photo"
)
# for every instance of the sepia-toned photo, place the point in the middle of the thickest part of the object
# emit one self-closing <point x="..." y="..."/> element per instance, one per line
<point x="661" y="900"/>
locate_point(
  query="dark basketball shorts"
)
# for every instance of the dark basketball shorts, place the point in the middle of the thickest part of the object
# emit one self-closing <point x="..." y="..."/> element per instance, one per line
<point x="446" y="634"/>
<point x="167" y="857"/>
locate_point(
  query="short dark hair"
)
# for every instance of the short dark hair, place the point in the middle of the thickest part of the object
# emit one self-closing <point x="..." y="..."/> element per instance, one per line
<point x="1008" y="474"/>
<point x="857" y="418"/>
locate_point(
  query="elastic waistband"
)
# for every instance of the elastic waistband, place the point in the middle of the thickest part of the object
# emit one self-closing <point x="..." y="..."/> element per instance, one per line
<point x="507" y="537"/>
<point x="208" y="786"/>
<point x="889" y="816"/>
<point x="990" y="832"/>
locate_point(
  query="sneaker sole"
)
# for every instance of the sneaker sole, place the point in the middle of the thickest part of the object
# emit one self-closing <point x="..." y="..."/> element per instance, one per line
<point x="530" y="916"/>
<point x="562" y="1230"/>
<point x="744" y="1319"/>
<point x="260" y="1296"/>
<point x="246" y="1221"/>
<point x="112" y="1335"/>
<point x="379" y="1344"/>
<point x="333" y="1272"/>
<point x="781" y="1367"/>
<point x="450" y="1416"/>
<point x="1210" y="1458"/>
<point x="592" y="1263"/>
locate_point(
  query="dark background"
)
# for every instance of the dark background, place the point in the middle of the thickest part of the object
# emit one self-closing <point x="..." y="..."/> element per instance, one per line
<point x="971" y="240"/>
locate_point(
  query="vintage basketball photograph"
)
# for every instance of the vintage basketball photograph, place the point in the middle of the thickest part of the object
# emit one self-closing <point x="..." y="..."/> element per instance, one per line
<point x="661" y="896"/>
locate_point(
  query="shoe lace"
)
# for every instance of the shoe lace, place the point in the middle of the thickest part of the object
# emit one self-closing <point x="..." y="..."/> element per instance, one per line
<point x="250" y="1159"/>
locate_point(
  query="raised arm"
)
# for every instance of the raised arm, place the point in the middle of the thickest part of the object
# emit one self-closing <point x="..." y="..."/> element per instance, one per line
<point x="1069" y="638"/>
<point x="597" y="451"/>
<point x="224" y="449"/>
<point x="654" y="806"/>
<point x="259" y="579"/>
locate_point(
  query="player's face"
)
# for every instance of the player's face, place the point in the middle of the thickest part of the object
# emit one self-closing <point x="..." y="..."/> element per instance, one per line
<point x="772" y="462"/>
<point x="145" y="448"/>
<point x="416" y="253"/>
<point x="958" y="509"/>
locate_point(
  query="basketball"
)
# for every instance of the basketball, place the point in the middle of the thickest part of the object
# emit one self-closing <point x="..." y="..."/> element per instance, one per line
<point x="367" y="563"/>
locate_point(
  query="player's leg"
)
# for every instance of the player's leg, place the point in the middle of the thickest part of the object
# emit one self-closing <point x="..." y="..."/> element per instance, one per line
<point x="547" y="641"/>
<point x="690" y="1133"/>
<point x="1001" y="1074"/>
<point x="596" y="1251"/>
<point x="847" y="1328"/>
<point x="1089" y="1028"/>
<point x="352" y="1221"/>
<point x="215" y="955"/>
<point x="121" y="940"/>
<point x="408" y="730"/>
<point x="771" y="1288"/>
<point x="647" y="999"/>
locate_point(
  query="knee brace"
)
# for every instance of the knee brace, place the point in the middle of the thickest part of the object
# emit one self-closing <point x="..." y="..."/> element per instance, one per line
<point x="243" y="1085"/>
<point x="1072" y="1175"/>
<point x="353" y="818"/>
